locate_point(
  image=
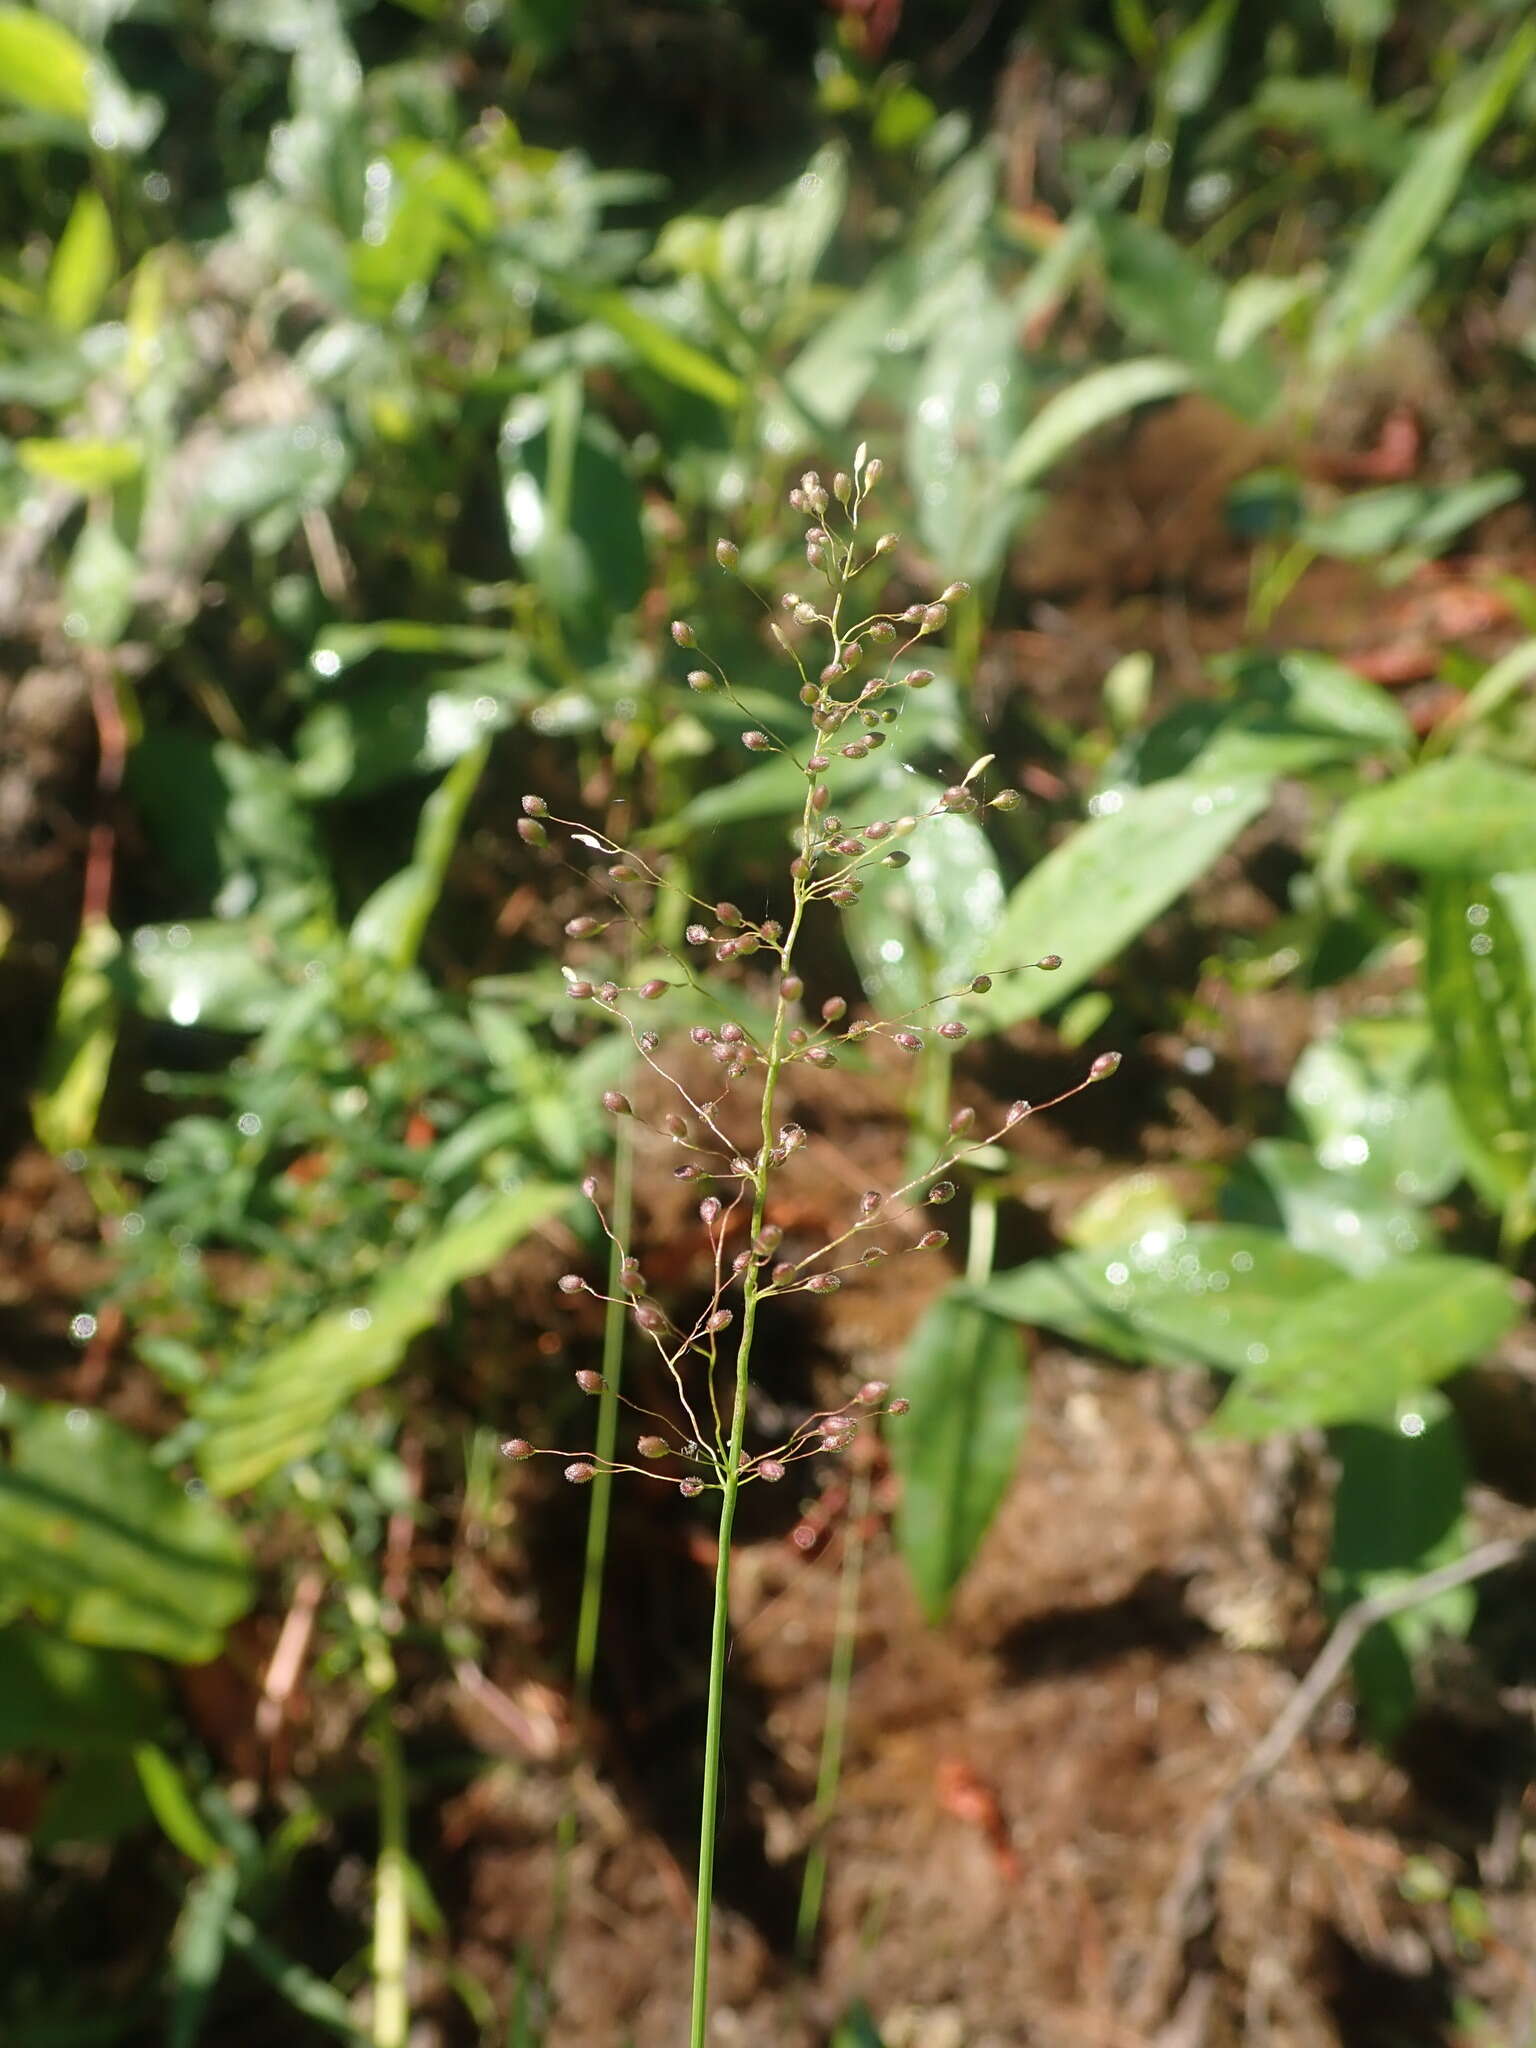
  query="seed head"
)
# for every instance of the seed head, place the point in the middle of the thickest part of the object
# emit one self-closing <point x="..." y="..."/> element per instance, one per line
<point x="875" y="1256"/>
<point x="651" y="991"/>
<point x="833" y="1009"/>
<point x="823" y="1283"/>
<point x="531" y="832"/>
<point x="1106" y="1064"/>
<point x="770" y="1469"/>
<point x="897" y="860"/>
<point x="791" y="1137"/>
<point x="732" y="1034"/>
<point x="791" y="988"/>
<point x="697" y="935"/>
<point x="1006" y="800"/>
<point x="652" y="1446"/>
<point x="872" y="1393"/>
<point x="935" y="618"/>
<point x="885" y="543"/>
<point x="957" y="799"/>
<point x="673" y="1125"/>
<point x="918" y="678"/>
<point x="516" y="1448"/>
<point x="702" y="1035"/>
<point x="709" y="1211"/>
<point x="909" y="1041"/>
<point x="720" y="1320"/>
<point x="953" y="1029"/>
<point x="579" y="989"/>
<point x="571" y="1283"/>
<point x="1017" y="1111"/>
<point x="729" y="915"/>
<point x="933" y="1241"/>
<point x="1050" y="962"/>
<point x="727" y="554"/>
<point x="535" y="807"/>
<point x="690" y="1488"/>
<point x="616" y="1104"/>
<point x="701" y="680"/>
<point x="882" y="632"/>
<point x="756" y="742"/>
<point x="980" y="983"/>
<point x="609" y="992"/>
<point x="942" y="1191"/>
<point x="684" y="634"/>
<point x="842" y="487"/>
<point x="591" y="1382"/>
<point x="961" y="1122"/>
<point x="581" y="927"/>
<point x="650" y="1318"/>
<point x="870" y="1202"/>
<point x="900" y="1406"/>
<point x="589" y="1187"/>
<point x="581" y="1473"/>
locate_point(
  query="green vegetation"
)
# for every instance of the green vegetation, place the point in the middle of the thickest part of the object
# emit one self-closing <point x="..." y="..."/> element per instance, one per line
<point x="376" y="382"/>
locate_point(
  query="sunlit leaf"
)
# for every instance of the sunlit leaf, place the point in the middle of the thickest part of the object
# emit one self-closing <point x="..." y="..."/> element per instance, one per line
<point x="42" y="66"/>
<point x="1354" y="1352"/>
<point x="1465" y="814"/>
<point x="98" y="1540"/>
<point x="67" y="1698"/>
<point x="81" y="465"/>
<point x="84" y="263"/>
<point x="78" y="1055"/>
<point x="1350" y="1217"/>
<point x="1372" y="1102"/>
<point x="1092" y="894"/>
<point x="1096" y="398"/>
<point x="263" y="1417"/>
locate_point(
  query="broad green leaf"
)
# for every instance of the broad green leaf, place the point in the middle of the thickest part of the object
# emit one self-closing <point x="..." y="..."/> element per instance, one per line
<point x="1500" y="682"/>
<point x="1354" y="1352"/>
<point x="70" y="1698"/>
<point x="1178" y="1294"/>
<point x="42" y="66"/>
<point x="226" y="817"/>
<point x="232" y="976"/>
<point x="1169" y="300"/>
<point x="98" y="1540"/>
<point x="198" y="1943"/>
<point x="964" y="412"/>
<point x="263" y="477"/>
<point x="1371" y="1102"/>
<point x="1402" y="225"/>
<point x="83" y="265"/>
<point x="1398" y="1513"/>
<point x="97" y="589"/>
<point x="1096" y="398"/>
<point x="573" y="512"/>
<point x="1124" y="1210"/>
<point x="385" y="732"/>
<point x="917" y="931"/>
<point x="1480" y="987"/>
<point x="661" y="350"/>
<point x="965" y="1374"/>
<point x="96" y="1799"/>
<point x="78" y="1056"/>
<point x="1352" y="1218"/>
<point x="1465" y="814"/>
<point x="426" y="205"/>
<point x="1092" y="894"/>
<point x="392" y="923"/>
<point x="81" y="465"/>
<point x="1193" y="65"/>
<point x="1282" y="715"/>
<point x="263" y="1417"/>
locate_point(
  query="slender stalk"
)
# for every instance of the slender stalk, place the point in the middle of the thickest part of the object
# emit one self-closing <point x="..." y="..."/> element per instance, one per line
<point x="601" y="1504"/>
<point x="834" y="1728"/>
<point x="391" y="1906"/>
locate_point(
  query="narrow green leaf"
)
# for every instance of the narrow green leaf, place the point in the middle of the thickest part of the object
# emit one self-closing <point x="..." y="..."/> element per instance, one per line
<point x="78" y="1056"/>
<point x="1480" y="986"/>
<point x="1354" y="1352"/>
<point x="964" y="1373"/>
<point x="262" y="1418"/>
<point x="1092" y="402"/>
<point x="668" y="354"/>
<point x="1098" y="889"/>
<point x="42" y="66"/>
<point x="1402" y="225"/>
<point x="171" y="1802"/>
<point x="393" y="922"/>
<point x="197" y="1951"/>
<point x="84" y="263"/>
<point x="1169" y="300"/>
<point x="81" y="465"/>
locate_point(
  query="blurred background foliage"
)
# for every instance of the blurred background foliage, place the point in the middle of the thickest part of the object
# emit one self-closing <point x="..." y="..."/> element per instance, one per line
<point x="374" y="379"/>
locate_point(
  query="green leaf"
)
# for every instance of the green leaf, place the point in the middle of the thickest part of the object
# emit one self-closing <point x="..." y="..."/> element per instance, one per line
<point x="1177" y="1294"/>
<point x="42" y="66"/>
<point x="97" y="590"/>
<point x="964" y="412"/>
<point x="1350" y="1218"/>
<point x="387" y="731"/>
<point x="1093" y="894"/>
<point x="69" y="1698"/>
<point x="1418" y="518"/>
<point x="264" y="478"/>
<point x="81" y="465"/>
<point x="98" y="1540"/>
<point x="573" y="512"/>
<point x="1480" y="986"/>
<point x="857" y="2029"/>
<point x="668" y="354"/>
<point x="1355" y="1351"/>
<point x="393" y="922"/>
<point x="1092" y="402"/>
<point x="226" y="817"/>
<point x="198" y="1942"/>
<point x="1193" y="65"/>
<point x="170" y="1801"/>
<point x="1170" y="301"/>
<point x="84" y="263"/>
<point x="78" y="1056"/>
<point x="1371" y="1102"/>
<point x="1402" y="225"/>
<point x="964" y="1373"/>
<point x="263" y="1417"/>
<point x="917" y="931"/>
<point x="1398" y="1513"/>
<point x="232" y="976"/>
<point x="430" y="205"/>
<point x="1466" y="814"/>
